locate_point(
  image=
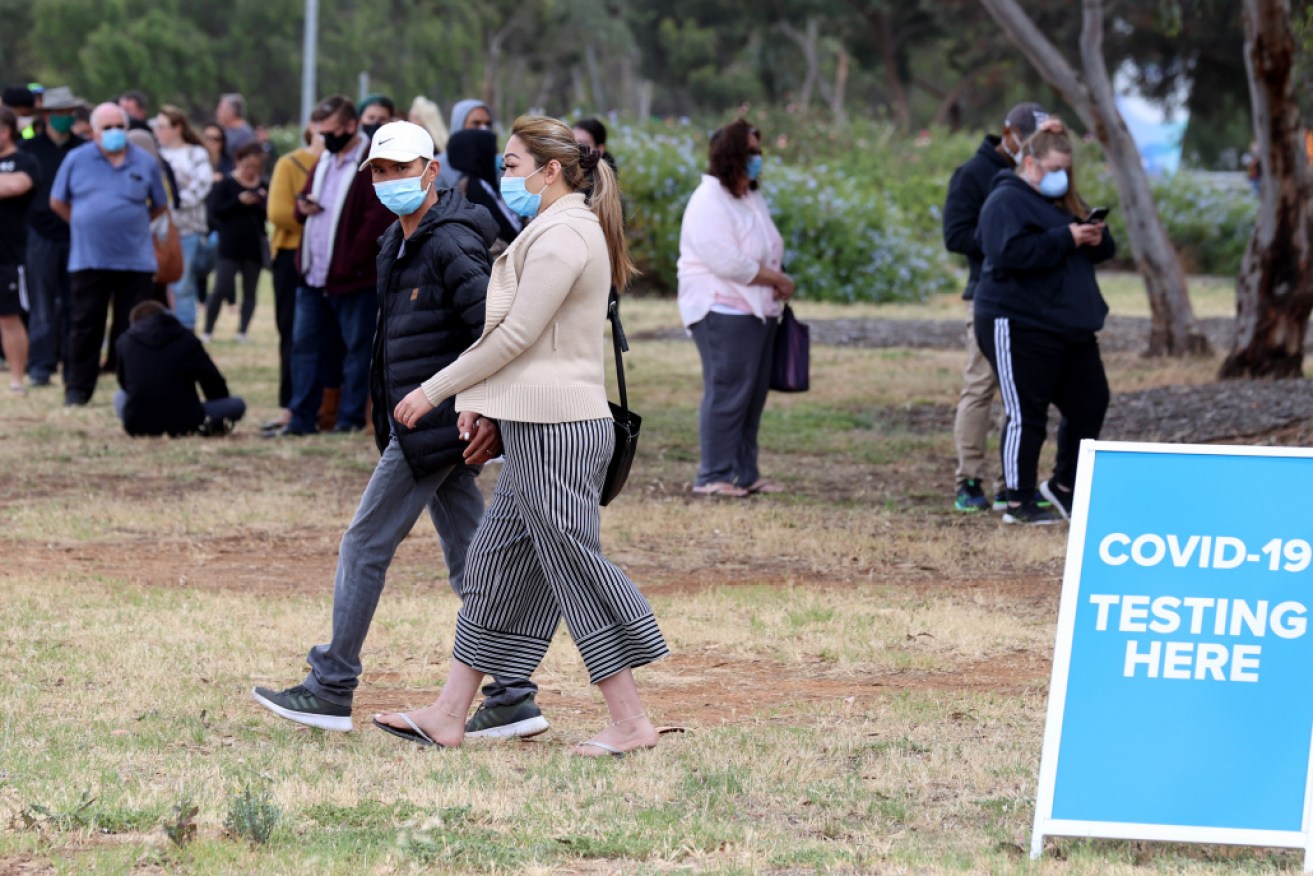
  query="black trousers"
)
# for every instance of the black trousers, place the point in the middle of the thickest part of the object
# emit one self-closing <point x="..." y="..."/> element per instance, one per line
<point x="92" y="292"/>
<point x="286" y="279"/>
<point x="1035" y="369"/>
<point x="225" y="289"/>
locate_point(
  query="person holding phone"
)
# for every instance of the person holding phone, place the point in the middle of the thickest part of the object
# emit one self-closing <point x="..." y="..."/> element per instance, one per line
<point x="237" y="205"/>
<point x="1037" y="311"/>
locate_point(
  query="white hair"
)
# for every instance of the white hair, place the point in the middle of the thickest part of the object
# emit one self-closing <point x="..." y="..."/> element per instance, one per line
<point x="100" y="111"/>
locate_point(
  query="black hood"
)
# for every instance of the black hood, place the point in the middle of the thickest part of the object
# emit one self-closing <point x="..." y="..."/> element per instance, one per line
<point x="451" y="207"/>
<point x="474" y="151"/>
<point x="989" y="150"/>
<point x="158" y="331"/>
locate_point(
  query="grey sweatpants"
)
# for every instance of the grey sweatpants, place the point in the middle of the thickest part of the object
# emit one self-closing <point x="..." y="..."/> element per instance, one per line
<point x="391" y="504"/>
<point x="736" y="356"/>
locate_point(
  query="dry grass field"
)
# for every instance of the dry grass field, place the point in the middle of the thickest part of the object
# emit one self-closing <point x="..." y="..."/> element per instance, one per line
<point x="861" y="671"/>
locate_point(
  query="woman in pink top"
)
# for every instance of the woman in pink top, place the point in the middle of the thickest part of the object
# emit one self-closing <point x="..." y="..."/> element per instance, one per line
<point x="731" y="292"/>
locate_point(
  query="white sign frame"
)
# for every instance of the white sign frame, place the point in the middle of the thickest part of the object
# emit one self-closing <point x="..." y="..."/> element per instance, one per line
<point x="1045" y="825"/>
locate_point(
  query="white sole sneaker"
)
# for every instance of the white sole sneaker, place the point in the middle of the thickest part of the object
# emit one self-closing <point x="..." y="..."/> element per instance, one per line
<point x="1048" y="493"/>
<point x="323" y="722"/>
<point x="520" y="729"/>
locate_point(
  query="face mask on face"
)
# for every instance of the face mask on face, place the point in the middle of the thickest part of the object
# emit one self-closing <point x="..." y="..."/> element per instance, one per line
<point x="114" y="140"/>
<point x="402" y="196"/>
<point x="62" y="124"/>
<point x="1015" y="156"/>
<point x="521" y="201"/>
<point x="754" y="166"/>
<point x="369" y="131"/>
<point x="1054" y="184"/>
<point x="335" y="143"/>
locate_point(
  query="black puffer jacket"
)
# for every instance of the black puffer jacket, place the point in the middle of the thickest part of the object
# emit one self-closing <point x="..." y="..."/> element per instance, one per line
<point x="159" y="365"/>
<point x="430" y="303"/>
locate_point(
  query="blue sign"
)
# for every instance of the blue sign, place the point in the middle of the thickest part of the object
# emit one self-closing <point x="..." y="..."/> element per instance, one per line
<point x="1181" y="705"/>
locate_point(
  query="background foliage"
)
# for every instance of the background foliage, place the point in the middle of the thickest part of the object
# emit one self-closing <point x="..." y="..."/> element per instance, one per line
<point x="915" y="63"/>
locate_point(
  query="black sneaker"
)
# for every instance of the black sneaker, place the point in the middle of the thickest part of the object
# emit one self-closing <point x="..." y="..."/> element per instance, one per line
<point x="970" y="497"/>
<point x="212" y="427"/>
<point x="1030" y="512"/>
<point x="1058" y="498"/>
<point x="300" y="705"/>
<point x="518" y="719"/>
<point x="1001" y="500"/>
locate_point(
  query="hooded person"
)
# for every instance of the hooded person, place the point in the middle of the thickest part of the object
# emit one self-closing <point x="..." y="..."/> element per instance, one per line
<point x="433" y="268"/>
<point x="473" y="154"/>
<point x="466" y="114"/>
<point x="160" y="362"/>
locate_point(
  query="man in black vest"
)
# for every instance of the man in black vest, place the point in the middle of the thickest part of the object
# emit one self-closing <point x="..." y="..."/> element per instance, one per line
<point x="432" y="280"/>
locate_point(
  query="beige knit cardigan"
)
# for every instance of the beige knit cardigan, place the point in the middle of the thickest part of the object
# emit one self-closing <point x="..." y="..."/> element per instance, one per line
<point x="540" y="358"/>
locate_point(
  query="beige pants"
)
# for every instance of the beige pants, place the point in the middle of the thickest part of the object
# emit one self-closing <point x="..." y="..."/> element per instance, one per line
<point x="971" y="427"/>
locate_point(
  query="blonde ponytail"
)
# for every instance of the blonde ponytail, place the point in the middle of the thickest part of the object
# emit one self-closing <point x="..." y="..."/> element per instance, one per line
<point x="553" y="140"/>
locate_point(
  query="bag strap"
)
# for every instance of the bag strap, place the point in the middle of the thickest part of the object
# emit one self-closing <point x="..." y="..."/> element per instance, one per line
<point x="621" y="344"/>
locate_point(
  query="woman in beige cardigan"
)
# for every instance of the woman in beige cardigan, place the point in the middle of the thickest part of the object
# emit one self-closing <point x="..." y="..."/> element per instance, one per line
<point x="538" y="371"/>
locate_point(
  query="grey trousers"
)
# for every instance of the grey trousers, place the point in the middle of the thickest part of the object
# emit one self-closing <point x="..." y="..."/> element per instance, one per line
<point x="736" y="356"/>
<point x="391" y="504"/>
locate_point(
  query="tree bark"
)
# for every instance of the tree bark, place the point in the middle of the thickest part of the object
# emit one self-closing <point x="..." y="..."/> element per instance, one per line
<point x="888" y="47"/>
<point x="1173" y="330"/>
<point x="1274" y="292"/>
<point x="807" y="44"/>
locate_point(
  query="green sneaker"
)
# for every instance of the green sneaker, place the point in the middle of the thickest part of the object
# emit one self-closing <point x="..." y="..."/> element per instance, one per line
<point x="300" y="705"/>
<point x="520" y="719"/>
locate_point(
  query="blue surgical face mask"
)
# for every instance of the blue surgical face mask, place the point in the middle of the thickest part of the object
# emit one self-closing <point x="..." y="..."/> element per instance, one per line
<point x="114" y="140"/>
<point x="1054" y="184"/>
<point x="754" y="166"/>
<point x="521" y="201"/>
<point x="402" y="196"/>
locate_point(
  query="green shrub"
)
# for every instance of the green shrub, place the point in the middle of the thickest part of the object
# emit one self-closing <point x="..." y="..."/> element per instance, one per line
<point x="860" y="205"/>
<point x="252" y="813"/>
<point x="846" y="238"/>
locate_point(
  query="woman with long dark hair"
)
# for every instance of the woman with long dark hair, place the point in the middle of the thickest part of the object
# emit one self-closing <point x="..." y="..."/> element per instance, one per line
<point x="538" y="371"/>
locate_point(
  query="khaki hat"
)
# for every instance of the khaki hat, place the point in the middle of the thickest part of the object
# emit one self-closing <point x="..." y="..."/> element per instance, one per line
<point x="400" y="141"/>
<point x="61" y="98"/>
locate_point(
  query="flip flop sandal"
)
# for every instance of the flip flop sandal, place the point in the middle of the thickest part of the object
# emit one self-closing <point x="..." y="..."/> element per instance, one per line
<point x="609" y="749"/>
<point x="764" y="485"/>
<point x="721" y="489"/>
<point x="418" y="736"/>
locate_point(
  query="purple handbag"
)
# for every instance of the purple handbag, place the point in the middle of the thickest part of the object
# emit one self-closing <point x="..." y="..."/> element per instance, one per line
<point x="790" y="370"/>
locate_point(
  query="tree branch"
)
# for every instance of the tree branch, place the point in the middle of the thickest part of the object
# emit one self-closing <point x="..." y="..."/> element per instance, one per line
<point x="1042" y="54"/>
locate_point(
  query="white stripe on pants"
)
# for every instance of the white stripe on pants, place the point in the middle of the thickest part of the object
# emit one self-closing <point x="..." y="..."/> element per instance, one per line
<point x="1007" y="384"/>
<point x="537" y="557"/>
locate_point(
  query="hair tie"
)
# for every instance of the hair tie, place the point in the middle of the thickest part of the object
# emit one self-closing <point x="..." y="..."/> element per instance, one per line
<point x="588" y="157"/>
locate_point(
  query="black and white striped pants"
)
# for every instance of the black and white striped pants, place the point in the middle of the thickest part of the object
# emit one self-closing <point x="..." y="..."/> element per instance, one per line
<point x="1035" y="369"/>
<point x="537" y="557"/>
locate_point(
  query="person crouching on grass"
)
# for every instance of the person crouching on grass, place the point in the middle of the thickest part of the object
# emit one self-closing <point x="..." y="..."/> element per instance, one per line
<point x="432" y="280"/>
<point x="159" y="363"/>
<point x="538" y="369"/>
<point x="1037" y="309"/>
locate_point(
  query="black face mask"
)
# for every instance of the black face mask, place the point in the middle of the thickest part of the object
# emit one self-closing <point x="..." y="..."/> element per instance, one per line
<point x="369" y="131"/>
<point x="335" y="142"/>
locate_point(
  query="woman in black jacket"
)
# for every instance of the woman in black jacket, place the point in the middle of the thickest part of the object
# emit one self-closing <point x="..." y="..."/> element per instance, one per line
<point x="237" y="210"/>
<point x="1037" y="309"/>
<point x="473" y="153"/>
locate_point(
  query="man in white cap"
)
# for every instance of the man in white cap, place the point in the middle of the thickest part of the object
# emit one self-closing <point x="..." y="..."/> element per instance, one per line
<point x="432" y="278"/>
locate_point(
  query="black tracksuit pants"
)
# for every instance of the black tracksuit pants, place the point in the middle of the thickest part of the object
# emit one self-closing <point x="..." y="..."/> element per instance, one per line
<point x="1037" y="368"/>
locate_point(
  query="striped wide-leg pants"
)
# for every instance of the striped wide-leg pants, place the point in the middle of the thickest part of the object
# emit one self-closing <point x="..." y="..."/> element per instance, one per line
<point x="537" y="557"/>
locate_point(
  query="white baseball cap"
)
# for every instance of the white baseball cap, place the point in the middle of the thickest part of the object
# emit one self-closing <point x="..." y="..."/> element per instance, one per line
<point x="400" y="141"/>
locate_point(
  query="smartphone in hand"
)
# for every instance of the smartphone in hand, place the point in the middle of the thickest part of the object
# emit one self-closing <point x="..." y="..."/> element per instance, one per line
<point x="1098" y="214"/>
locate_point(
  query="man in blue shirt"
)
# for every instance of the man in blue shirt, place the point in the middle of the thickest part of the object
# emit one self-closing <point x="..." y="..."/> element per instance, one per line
<point x="108" y="191"/>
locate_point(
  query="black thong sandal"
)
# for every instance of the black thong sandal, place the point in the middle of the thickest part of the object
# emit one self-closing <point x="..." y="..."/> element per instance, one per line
<point x="414" y="734"/>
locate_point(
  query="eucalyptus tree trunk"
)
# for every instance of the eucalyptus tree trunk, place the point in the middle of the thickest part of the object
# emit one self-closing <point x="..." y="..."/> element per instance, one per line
<point x="1173" y="329"/>
<point x="1274" y="292"/>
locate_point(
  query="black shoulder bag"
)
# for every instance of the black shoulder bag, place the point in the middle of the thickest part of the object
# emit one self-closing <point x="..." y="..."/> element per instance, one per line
<point x="626" y="421"/>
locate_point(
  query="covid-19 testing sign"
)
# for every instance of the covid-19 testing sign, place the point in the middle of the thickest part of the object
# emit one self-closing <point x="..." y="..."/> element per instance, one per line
<point x="1181" y="703"/>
